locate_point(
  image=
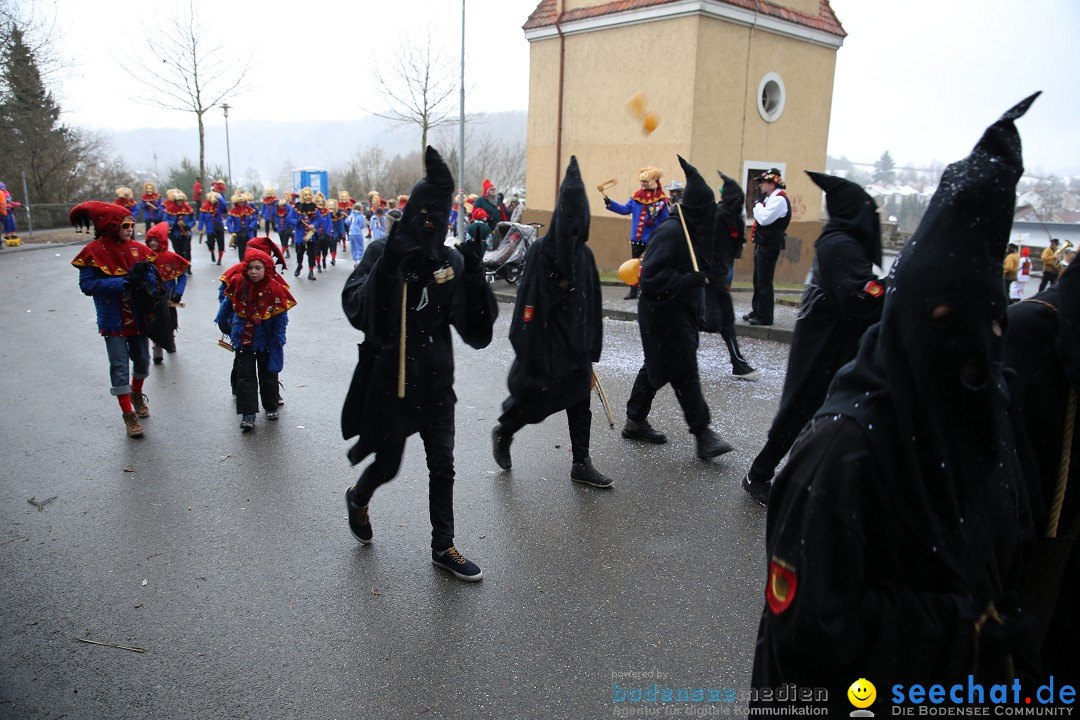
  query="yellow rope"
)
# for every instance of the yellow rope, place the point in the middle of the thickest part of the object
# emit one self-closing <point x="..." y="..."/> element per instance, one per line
<point x="1063" y="466"/>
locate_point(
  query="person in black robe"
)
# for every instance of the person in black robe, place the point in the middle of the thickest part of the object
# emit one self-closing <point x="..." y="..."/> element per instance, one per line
<point x="899" y="530"/>
<point x="557" y="333"/>
<point x="671" y="312"/>
<point x="843" y="297"/>
<point x="1042" y="348"/>
<point x="730" y="236"/>
<point x="442" y="287"/>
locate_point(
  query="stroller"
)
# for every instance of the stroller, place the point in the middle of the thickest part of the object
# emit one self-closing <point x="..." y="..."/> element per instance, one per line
<point x="507" y="247"/>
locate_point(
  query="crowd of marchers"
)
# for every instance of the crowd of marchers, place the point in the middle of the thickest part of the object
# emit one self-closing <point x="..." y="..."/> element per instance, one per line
<point x="922" y="528"/>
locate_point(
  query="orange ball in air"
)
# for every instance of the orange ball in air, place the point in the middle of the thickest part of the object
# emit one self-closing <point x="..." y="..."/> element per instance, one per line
<point x="650" y="122"/>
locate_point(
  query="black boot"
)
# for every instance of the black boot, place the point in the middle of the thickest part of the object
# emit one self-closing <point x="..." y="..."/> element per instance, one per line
<point x="632" y="295"/>
<point x="643" y="431"/>
<point x="584" y="472"/>
<point x="739" y="367"/>
<point x="710" y="445"/>
<point x="500" y="447"/>
<point x="757" y="490"/>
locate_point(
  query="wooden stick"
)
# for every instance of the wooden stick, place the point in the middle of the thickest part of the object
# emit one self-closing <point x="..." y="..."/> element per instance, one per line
<point x="603" y="399"/>
<point x="689" y="245"/>
<point x="401" y="344"/>
<point x="606" y="184"/>
<point x="132" y="648"/>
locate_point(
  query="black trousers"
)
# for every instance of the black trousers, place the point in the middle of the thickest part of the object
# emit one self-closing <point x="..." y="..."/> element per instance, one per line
<point x="182" y="245"/>
<point x="311" y="249"/>
<point x="216" y="237"/>
<point x="1048" y="279"/>
<point x="438" y="437"/>
<point x="253" y="381"/>
<point x="578" y="417"/>
<point x="764" y="270"/>
<point x="687" y="387"/>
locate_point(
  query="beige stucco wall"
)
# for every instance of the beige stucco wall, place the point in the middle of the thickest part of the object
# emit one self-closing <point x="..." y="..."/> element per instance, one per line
<point x="704" y="89"/>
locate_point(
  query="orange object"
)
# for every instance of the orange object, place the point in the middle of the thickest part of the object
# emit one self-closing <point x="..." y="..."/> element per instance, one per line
<point x="650" y="122"/>
<point x="630" y="271"/>
<point x="637" y="104"/>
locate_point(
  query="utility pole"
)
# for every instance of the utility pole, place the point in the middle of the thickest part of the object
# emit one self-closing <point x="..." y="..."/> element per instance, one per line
<point x="228" y="153"/>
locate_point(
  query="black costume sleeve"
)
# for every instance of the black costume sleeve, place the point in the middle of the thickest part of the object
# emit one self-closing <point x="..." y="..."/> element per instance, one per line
<point x="368" y="298"/>
<point x="852" y="608"/>
<point x="847" y="277"/>
<point x="474" y="306"/>
<point x="665" y="266"/>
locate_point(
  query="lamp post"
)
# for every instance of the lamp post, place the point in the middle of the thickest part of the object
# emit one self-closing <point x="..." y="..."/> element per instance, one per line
<point x="228" y="153"/>
<point x="461" y="137"/>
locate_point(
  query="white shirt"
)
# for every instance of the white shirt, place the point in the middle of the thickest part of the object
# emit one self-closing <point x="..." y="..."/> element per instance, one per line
<point x="772" y="209"/>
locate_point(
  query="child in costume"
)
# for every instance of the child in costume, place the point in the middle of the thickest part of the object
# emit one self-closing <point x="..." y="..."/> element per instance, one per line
<point x="171" y="267"/>
<point x="126" y="199"/>
<point x="286" y="221"/>
<point x="108" y="267"/>
<point x="254" y="314"/>
<point x="242" y="221"/>
<point x="212" y="224"/>
<point x="181" y="219"/>
<point x="307" y="233"/>
<point x="357" y="226"/>
<point x="268" y="210"/>
<point x="150" y="206"/>
<point x="378" y="224"/>
<point x="336" y="223"/>
<point x="7" y="216"/>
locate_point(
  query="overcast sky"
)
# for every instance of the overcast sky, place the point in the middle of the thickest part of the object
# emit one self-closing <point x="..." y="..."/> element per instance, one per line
<point x="919" y="78"/>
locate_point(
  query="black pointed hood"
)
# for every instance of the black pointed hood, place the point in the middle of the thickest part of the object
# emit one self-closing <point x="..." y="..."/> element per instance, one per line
<point x="851" y="211"/>
<point x="569" y="227"/>
<point x="429" y="204"/>
<point x="732" y="195"/>
<point x="698" y="205"/>
<point x="927" y="385"/>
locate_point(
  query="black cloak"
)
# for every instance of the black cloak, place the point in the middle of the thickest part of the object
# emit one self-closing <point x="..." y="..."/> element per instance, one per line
<point x="843" y="297"/>
<point x="444" y="289"/>
<point x="1042" y="348"/>
<point x="729" y="236"/>
<point x="901" y="515"/>
<point x="670" y="309"/>
<point x="557" y="328"/>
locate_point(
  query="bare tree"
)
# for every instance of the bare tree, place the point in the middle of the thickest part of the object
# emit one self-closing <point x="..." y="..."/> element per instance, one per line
<point x="184" y="71"/>
<point x="419" y="86"/>
<point x="490" y="158"/>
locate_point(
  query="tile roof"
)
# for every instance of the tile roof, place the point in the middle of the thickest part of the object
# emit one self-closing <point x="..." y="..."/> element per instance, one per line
<point x="825" y="20"/>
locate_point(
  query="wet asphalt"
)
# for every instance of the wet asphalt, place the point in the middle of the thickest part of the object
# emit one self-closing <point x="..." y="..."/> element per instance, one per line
<point x="227" y="558"/>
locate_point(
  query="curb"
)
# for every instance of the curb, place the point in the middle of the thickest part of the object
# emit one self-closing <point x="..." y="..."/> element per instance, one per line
<point x="774" y="334"/>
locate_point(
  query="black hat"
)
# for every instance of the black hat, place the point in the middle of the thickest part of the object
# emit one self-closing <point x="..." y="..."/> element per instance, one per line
<point x="773" y="176"/>
<point x="851" y="210"/>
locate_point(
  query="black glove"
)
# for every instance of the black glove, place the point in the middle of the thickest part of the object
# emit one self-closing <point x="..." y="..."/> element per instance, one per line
<point x="473" y="252"/>
<point x="696" y="279"/>
<point x="177" y="298"/>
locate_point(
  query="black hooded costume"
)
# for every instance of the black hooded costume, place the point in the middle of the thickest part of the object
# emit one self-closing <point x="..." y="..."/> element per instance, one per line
<point x="728" y="240"/>
<point x="557" y="327"/>
<point x="445" y="288"/>
<point x="842" y="299"/>
<point x="1043" y="348"/>
<point x="900" y="521"/>
<point x="671" y="311"/>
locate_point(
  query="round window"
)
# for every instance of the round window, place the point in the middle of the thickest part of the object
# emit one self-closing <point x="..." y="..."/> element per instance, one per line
<point x="771" y="97"/>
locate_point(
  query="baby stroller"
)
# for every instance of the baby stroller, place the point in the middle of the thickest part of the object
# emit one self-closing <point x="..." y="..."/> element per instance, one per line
<point x="508" y="244"/>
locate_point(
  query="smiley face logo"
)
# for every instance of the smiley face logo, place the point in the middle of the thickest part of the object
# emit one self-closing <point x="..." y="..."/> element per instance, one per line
<point x="862" y="693"/>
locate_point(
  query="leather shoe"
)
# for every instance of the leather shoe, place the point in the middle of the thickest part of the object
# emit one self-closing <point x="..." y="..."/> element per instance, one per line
<point x="758" y="321"/>
<point x="643" y="431"/>
<point x="710" y="445"/>
<point x="758" y="491"/>
<point x="584" y="472"/>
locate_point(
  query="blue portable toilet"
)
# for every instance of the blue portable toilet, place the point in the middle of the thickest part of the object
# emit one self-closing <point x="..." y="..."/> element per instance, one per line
<point x="314" y="178"/>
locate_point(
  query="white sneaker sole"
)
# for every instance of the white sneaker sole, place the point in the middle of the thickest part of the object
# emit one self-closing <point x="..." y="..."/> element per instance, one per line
<point x="466" y="578"/>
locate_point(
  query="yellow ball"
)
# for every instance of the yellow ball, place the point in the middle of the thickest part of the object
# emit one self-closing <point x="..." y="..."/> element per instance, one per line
<point x="650" y="122"/>
<point x="630" y="271"/>
<point x="862" y="693"/>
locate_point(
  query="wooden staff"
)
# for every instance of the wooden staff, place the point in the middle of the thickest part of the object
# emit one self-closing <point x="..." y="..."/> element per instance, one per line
<point x="689" y="245"/>
<point x="401" y="344"/>
<point x="603" y="399"/>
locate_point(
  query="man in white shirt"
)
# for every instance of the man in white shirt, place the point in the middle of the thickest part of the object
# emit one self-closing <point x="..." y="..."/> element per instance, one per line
<point x="772" y="214"/>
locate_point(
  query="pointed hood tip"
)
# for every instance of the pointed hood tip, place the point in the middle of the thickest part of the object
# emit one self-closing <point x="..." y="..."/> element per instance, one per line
<point x="1020" y="109"/>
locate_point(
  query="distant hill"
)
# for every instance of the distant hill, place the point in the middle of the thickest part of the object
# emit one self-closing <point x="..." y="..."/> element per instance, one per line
<point x="265" y="145"/>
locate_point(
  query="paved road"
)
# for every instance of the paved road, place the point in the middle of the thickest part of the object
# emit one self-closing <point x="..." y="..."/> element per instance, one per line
<point x="228" y="559"/>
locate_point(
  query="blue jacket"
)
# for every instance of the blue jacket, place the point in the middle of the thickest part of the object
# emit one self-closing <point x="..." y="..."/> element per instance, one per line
<point x="356" y="224"/>
<point x="269" y="335"/>
<point x="107" y="291"/>
<point x="634" y="208"/>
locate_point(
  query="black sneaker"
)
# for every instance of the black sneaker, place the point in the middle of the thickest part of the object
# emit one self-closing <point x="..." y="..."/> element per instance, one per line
<point x="500" y="447"/>
<point x="584" y="472"/>
<point x="758" y="491"/>
<point x="359" y="524"/>
<point x="452" y="560"/>
<point x="748" y="316"/>
<point x="247" y="423"/>
<point x="742" y="370"/>
<point x="759" y="321"/>
<point x="710" y="445"/>
<point x="643" y="431"/>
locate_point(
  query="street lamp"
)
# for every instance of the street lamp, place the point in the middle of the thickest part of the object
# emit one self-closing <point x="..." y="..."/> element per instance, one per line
<point x="228" y="153"/>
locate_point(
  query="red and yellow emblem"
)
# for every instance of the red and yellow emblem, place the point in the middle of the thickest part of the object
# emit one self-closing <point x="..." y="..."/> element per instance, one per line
<point x="874" y="289"/>
<point x="527" y="313"/>
<point x="780" y="589"/>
